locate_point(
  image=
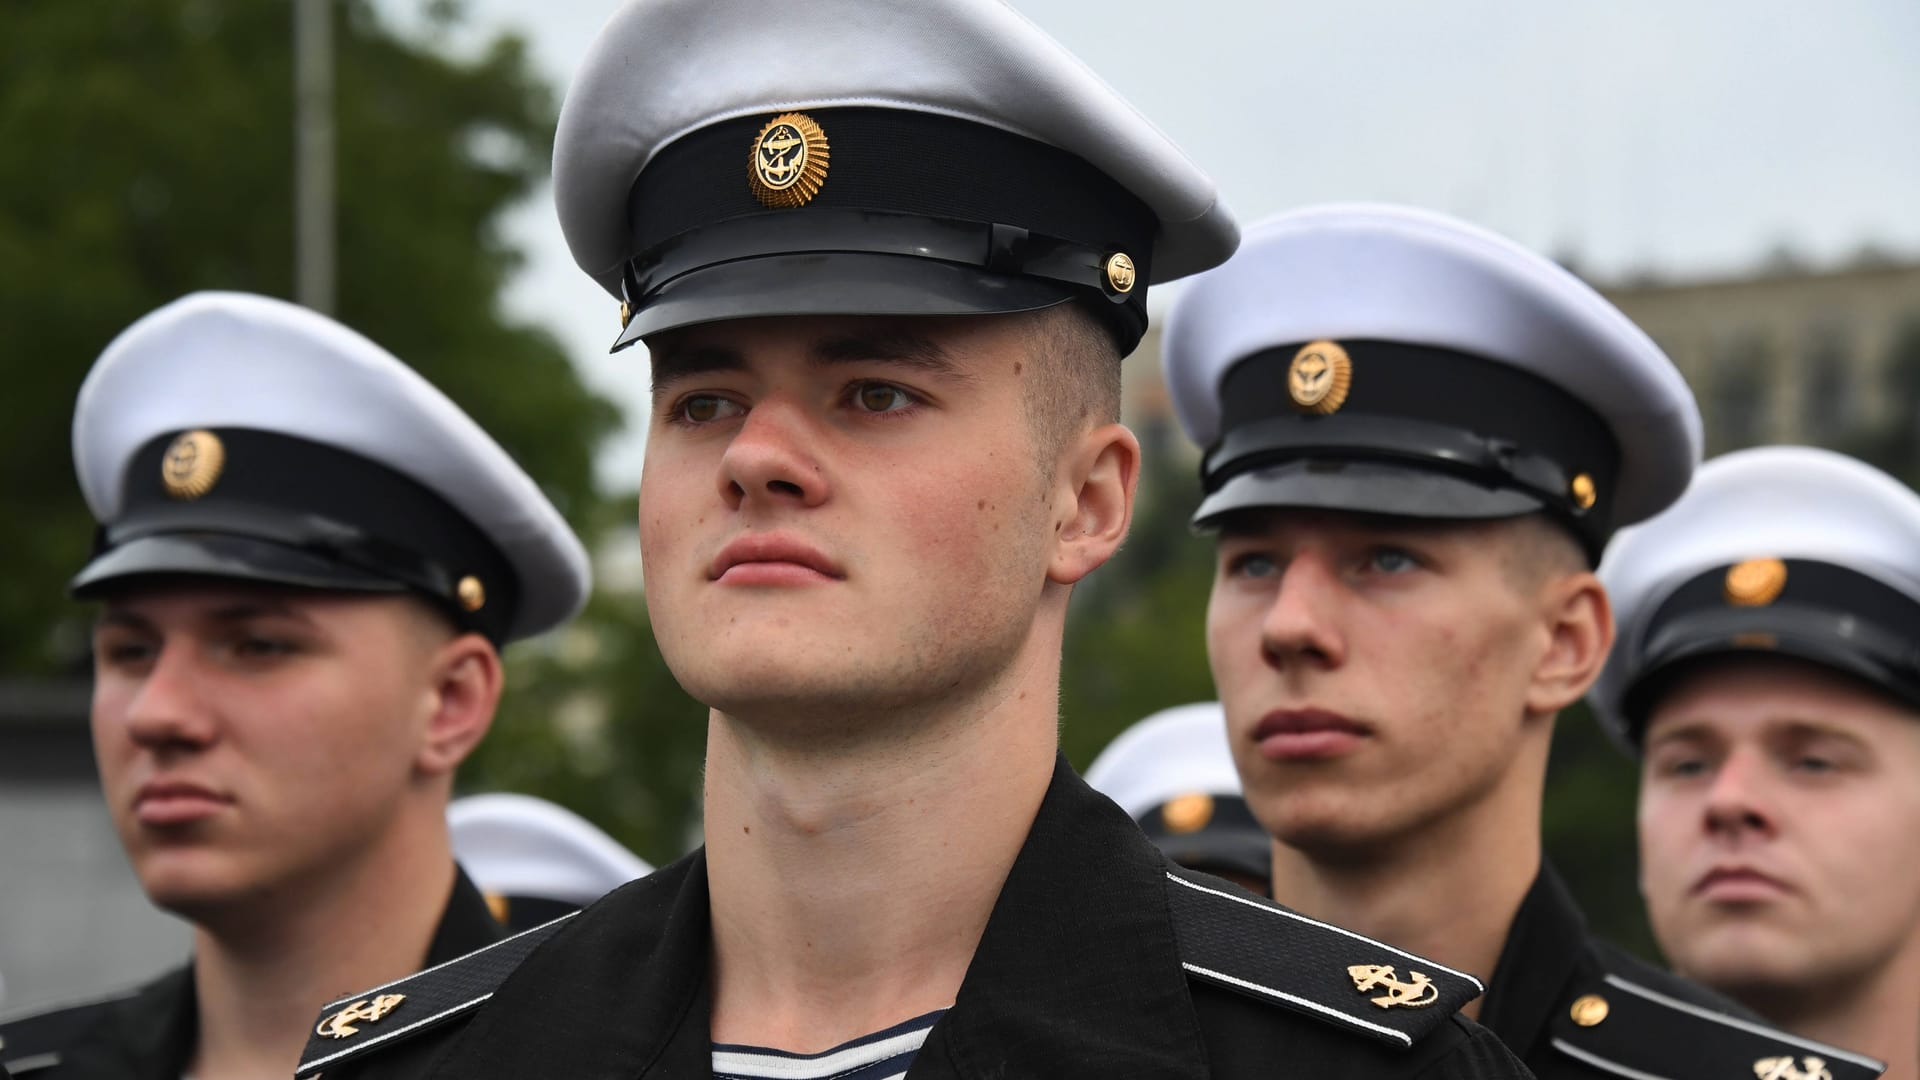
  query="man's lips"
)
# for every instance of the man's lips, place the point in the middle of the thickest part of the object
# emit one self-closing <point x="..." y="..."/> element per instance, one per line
<point x="1733" y="884"/>
<point x="771" y="559"/>
<point x="176" y="802"/>
<point x="1307" y="734"/>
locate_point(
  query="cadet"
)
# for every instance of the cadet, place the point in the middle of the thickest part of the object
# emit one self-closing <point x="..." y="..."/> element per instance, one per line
<point x="886" y="258"/>
<point x="1173" y="774"/>
<point x="535" y="861"/>
<point x="307" y="561"/>
<point x="1418" y="439"/>
<point x="1768" y="676"/>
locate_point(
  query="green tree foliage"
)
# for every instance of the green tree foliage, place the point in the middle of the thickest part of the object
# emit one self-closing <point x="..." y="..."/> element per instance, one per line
<point x="150" y="153"/>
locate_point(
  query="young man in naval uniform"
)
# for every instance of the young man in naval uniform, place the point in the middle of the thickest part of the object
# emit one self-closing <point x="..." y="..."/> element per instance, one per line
<point x="1418" y="438"/>
<point x="1768" y="677"/>
<point x="308" y="560"/>
<point x="885" y="258"/>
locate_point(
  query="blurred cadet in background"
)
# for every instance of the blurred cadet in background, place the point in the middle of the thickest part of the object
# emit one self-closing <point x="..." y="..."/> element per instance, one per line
<point x="1418" y="438"/>
<point x="535" y="861"/>
<point x="307" y="562"/>
<point x="1173" y="773"/>
<point x="1768" y="676"/>
<point x="885" y="259"/>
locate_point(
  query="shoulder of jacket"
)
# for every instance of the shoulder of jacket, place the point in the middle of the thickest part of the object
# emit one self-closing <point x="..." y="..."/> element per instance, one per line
<point x="387" y="1015"/>
<point x="1232" y="938"/>
<point x="1633" y="1022"/>
<point x="33" y="1042"/>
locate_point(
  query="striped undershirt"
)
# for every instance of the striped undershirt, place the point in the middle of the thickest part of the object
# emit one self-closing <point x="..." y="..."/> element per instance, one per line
<point x="883" y="1055"/>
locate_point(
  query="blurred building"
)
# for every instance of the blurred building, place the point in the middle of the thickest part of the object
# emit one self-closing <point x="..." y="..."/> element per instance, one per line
<point x="1788" y="355"/>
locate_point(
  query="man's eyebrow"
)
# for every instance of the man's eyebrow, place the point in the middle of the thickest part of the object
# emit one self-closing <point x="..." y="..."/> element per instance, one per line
<point x="258" y="609"/>
<point x="121" y="617"/>
<point x="679" y="362"/>
<point x="1690" y="730"/>
<point x="895" y="347"/>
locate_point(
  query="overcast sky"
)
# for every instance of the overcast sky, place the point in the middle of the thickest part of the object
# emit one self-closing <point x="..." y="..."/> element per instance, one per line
<point x="1691" y="137"/>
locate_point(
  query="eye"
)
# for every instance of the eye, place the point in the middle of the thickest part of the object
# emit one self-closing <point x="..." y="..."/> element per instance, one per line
<point x="875" y="397"/>
<point x="1252" y="565"/>
<point x="125" y="653"/>
<point x="1813" y="763"/>
<point x="1392" y="560"/>
<point x="262" y="648"/>
<point x="706" y="408"/>
<point x="1684" y="767"/>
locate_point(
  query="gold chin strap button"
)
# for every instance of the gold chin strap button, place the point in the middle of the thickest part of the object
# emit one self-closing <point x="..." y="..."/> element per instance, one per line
<point x="1589" y="1009"/>
<point x="626" y="314"/>
<point x="472" y="594"/>
<point x="1584" y="493"/>
<point x="1121" y="273"/>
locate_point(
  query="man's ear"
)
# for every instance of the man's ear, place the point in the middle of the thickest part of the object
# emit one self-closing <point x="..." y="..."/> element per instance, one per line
<point x="464" y="691"/>
<point x="1579" y="624"/>
<point x="1093" y="505"/>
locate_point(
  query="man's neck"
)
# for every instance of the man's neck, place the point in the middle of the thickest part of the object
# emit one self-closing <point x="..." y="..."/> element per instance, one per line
<point x="1448" y="890"/>
<point x="261" y="976"/>
<point x="1869" y="1013"/>
<point x="850" y="887"/>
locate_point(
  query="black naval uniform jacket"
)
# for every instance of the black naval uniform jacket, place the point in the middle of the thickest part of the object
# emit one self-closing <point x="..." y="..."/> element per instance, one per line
<point x="148" y="1034"/>
<point x="1100" y="959"/>
<point x="1577" y="1008"/>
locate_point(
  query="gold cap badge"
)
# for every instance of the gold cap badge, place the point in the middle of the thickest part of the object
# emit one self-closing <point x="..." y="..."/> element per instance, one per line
<point x="1589" y="1009"/>
<point x="788" y="165"/>
<point x="1188" y="813"/>
<point x="1756" y="582"/>
<point x="1120" y="272"/>
<point x="1319" y="378"/>
<point x="367" y="1010"/>
<point x="193" y="464"/>
<point x="1416" y="994"/>
<point x="472" y="594"/>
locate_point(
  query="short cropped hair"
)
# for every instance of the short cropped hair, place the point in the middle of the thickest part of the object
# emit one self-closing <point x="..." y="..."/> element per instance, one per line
<point x="1073" y="379"/>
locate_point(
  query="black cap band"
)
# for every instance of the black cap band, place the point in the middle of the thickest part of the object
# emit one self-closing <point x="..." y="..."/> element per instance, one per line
<point x="1822" y="613"/>
<point x="332" y="506"/>
<point x="1431" y="410"/>
<point x="901" y="183"/>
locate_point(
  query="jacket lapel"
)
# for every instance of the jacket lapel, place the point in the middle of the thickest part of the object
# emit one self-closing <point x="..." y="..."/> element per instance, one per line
<point x="1077" y="973"/>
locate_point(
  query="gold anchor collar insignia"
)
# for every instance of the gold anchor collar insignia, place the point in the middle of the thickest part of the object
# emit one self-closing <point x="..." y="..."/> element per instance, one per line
<point x="1319" y="378"/>
<point x="1417" y="994"/>
<point x="339" y="1025"/>
<point x="788" y="164"/>
<point x="1782" y="1068"/>
<point x="1756" y="582"/>
<point x="192" y="464"/>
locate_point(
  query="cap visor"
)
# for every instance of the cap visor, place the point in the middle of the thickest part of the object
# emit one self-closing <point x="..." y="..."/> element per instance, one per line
<point x="1833" y="653"/>
<point x="836" y="283"/>
<point x="1362" y="488"/>
<point x="220" y="555"/>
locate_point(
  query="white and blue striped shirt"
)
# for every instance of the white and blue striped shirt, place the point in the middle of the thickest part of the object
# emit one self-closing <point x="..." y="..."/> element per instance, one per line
<point x="883" y="1055"/>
